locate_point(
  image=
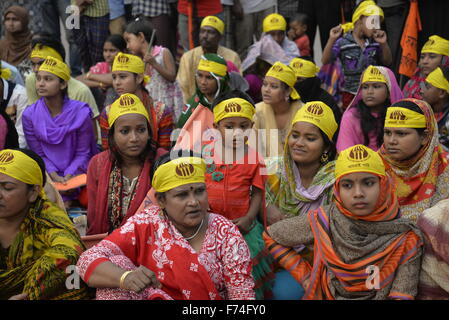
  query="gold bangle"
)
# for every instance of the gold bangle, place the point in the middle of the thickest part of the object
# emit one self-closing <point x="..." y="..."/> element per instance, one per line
<point x="122" y="278"/>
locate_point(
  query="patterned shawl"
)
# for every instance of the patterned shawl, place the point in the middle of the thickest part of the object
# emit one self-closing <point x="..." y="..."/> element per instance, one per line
<point x="346" y="249"/>
<point x="45" y="246"/>
<point x="422" y="180"/>
<point x="285" y="190"/>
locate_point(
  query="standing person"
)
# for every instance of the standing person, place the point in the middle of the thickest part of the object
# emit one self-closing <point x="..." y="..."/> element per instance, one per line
<point x="236" y="185"/>
<point x="357" y="45"/>
<point x="275" y="113"/>
<point x="117" y="20"/>
<point x="275" y="26"/>
<point x="13" y="101"/>
<point x="211" y="31"/>
<point x="53" y="12"/>
<point x="175" y="249"/>
<point x="365" y="206"/>
<point x="436" y="94"/>
<point x="57" y="128"/>
<point x="160" y="65"/>
<point x="37" y="239"/>
<point x="248" y="28"/>
<point x="297" y="33"/>
<point x="199" y="9"/>
<point x="212" y="79"/>
<point x="15" y="47"/>
<point x="119" y="178"/>
<point x="93" y="30"/>
<point x="414" y="156"/>
<point x="128" y="77"/>
<point x="363" y="121"/>
<point x="158" y="13"/>
<point x="435" y="53"/>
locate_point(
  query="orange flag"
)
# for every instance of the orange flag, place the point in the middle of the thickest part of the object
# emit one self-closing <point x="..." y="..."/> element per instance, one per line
<point x="409" y="41"/>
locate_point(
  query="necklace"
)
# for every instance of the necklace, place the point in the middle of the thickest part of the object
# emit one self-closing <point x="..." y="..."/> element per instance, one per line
<point x="196" y="232"/>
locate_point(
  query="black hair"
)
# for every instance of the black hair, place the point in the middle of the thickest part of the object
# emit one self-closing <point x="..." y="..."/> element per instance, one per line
<point x="330" y="146"/>
<point x="231" y="94"/>
<point x="117" y="41"/>
<point x="370" y="123"/>
<point x="33" y="155"/>
<point x="301" y="18"/>
<point x="148" y="153"/>
<point x="411" y="106"/>
<point x="445" y="70"/>
<point x="141" y="24"/>
<point x="45" y="39"/>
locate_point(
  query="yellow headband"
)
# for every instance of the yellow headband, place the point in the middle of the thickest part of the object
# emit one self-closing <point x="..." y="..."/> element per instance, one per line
<point x="235" y="107"/>
<point x="359" y="158"/>
<point x="274" y="21"/>
<point x="437" y="45"/>
<point x="286" y="74"/>
<point x="304" y="68"/>
<point x="437" y="79"/>
<point x="179" y="172"/>
<point x="318" y="114"/>
<point x="373" y="74"/>
<point x="43" y="52"/>
<point x="18" y="165"/>
<point x="56" y="67"/>
<point x="127" y="104"/>
<point x="128" y="62"/>
<point x="214" y="22"/>
<point x="398" y="117"/>
<point x="212" y="66"/>
<point x="367" y="9"/>
<point x="5" y="73"/>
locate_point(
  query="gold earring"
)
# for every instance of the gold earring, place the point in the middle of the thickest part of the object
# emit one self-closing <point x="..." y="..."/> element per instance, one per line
<point x="324" y="158"/>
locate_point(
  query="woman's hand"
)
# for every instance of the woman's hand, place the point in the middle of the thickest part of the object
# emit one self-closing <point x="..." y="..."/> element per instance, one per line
<point x="21" y="296"/>
<point x="56" y="178"/>
<point x="380" y="36"/>
<point x="148" y="58"/>
<point x="139" y="279"/>
<point x="274" y="214"/>
<point x="243" y="223"/>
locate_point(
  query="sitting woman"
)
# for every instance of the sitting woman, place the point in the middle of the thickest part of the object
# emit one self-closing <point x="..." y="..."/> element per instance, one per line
<point x="305" y="173"/>
<point x="128" y="77"/>
<point x="176" y="250"/>
<point x="57" y="128"/>
<point x="363" y="120"/>
<point x="211" y="80"/>
<point x="119" y="178"/>
<point x="275" y="113"/>
<point x="37" y="239"/>
<point x="414" y="156"/>
<point x="362" y="248"/>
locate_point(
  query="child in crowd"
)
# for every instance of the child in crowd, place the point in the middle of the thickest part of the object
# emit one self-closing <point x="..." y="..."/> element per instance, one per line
<point x="363" y="120"/>
<point x="159" y="64"/>
<point x="235" y="183"/>
<point x="297" y="33"/>
<point x="357" y="45"/>
<point x="436" y="93"/>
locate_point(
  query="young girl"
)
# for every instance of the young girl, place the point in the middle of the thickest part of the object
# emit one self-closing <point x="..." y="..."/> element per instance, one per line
<point x="119" y="178"/>
<point x="362" y="122"/>
<point x="99" y="75"/>
<point x="235" y="182"/>
<point x="415" y="157"/>
<point x="360" y="234"/>
<point x="360" y="46"/>
<point x="127" y="77"/>
<point x="160" y="65"/>
<point x="58" y="129"/>
<point x="434" y="54"/>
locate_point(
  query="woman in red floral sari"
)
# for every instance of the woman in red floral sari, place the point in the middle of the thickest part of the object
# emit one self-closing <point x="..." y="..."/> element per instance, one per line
<point x="176" y="250"/>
